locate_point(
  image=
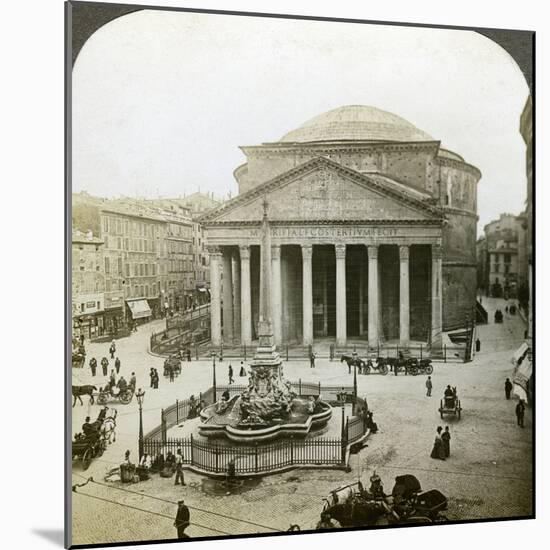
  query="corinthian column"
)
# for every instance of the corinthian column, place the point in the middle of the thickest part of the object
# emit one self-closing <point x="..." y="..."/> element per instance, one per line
<point x="307" y="300"/>
<point x="246" y="309"/>
<point x="276" y="292"/>
<point x="227" y="296"/>
<point x="373" y="295"/>
<point x="341" y="326"/>
<point x="437" y="301"/>
<point x="404" y="307"/>
<point x="215" y="296"/>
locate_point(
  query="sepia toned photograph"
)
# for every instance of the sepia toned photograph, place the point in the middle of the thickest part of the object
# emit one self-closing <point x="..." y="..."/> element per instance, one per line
<point x="300" y="274"/>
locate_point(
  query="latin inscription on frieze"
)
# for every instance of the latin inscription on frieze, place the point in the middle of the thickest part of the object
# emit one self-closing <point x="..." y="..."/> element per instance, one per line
<point x="322" y="232"/>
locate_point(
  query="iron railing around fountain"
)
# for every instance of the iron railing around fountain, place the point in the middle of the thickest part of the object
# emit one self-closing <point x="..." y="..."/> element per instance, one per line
<point x="214" y="458"/>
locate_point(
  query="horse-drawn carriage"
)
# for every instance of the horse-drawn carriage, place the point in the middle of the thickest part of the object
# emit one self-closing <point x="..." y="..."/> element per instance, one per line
<point x="78" y="357"/>
<point x="113" y="393"/>
<point x="87" y="446"/>
<point x="450" y="404"/>
<point x="354" y="506"/>
<point x="365" y="367"/>
<point x="173" y="362"/>
<point x="419" y="366"/>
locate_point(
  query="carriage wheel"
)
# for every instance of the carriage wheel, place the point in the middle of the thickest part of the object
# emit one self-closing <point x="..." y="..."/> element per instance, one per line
<point x="366" y="369"/>
<point x="126" y="397"/>
<point x="384" y="369"/>
<point x="429" y="369"/>
<point x="413" y="371"/>
<point x="102" y="398"/>
<point x="87" y="458"/>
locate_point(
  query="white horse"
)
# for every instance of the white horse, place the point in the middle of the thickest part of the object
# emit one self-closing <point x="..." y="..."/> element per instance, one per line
<point x="108" y="429"/>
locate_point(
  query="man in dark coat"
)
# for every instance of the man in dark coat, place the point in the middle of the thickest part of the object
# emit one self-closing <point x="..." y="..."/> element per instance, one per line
<point x="182" y="520"/>
<point x="93" y="365"/>
<point x="508" y="388"/>
<point x="188" y="352"/>
<point x="104" y="365"/>
<point x="520" y="412"/>
<point x="117" y="365"/>
<point x="230" y="374"/>
<point x="112" y="350"/>
<point x="429" y="386"/>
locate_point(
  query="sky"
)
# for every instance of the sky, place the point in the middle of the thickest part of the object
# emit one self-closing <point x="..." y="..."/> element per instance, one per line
<point x="163" y="100"/>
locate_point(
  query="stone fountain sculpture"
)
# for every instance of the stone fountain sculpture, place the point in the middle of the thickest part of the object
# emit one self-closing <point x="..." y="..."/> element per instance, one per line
<point x="269" y="405"/>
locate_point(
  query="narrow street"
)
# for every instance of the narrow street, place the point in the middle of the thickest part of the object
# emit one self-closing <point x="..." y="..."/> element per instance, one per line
<point x="487" y="475"/>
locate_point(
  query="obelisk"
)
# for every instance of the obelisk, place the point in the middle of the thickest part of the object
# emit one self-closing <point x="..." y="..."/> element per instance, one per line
<point x="266" y="354"/>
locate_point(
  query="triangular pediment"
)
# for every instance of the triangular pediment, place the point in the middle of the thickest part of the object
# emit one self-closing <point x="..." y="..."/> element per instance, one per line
<point x="321" y="189"/>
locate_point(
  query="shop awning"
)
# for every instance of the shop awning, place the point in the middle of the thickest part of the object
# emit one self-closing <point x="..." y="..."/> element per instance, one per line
<point x="519" y="354"/>
<point x="139" y="308"/>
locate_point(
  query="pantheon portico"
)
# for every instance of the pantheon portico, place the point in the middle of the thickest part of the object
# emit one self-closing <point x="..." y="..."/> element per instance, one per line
<point x="373" y="231"/>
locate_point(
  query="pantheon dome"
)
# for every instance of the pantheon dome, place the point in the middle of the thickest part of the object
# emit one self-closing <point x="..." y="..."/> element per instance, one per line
<point x="357" y="123"/>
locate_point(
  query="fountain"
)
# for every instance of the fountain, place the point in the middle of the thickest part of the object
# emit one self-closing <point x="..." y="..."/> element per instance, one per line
<point x="268" y="408"/>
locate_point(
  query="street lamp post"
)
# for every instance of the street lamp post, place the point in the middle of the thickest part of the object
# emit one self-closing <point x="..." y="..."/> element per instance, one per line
<point x="214" y="375"/>
<point x="140" y="396"/>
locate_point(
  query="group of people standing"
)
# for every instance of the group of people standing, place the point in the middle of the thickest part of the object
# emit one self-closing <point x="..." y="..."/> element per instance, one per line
<point x="442" y="444"/>
<point x="121" y="383"/>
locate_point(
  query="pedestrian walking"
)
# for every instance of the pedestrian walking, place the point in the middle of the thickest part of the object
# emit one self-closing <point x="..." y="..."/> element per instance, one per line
<point x="112" y="379"/>
<point x="312" y="360"/>
<point x="230" y="374"/>
<point x="112" y="349"/>
<point x="133" y="382"/>
<point x="104" y="365"/>
<point x="117" y="365"/>
<point x="520" y="412"/>
<point x="508" y="388"/>
<point x="478" y="344"/>
<point x="438" y="451"/>
<point x="156" y="379"/>
<point x="429" y="386"/>
<point x="171" y="372"/>
<point x="93" y="365"/>
<point x="179" y="469"/>
<point x="446" y="438"/>
<point x="188" y="355"/>
<point x="152" y="376"/>
<point x="182" y="520"/>
<point x="242" y="372"/>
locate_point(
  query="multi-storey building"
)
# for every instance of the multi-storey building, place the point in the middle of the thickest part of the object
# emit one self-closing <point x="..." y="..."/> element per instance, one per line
<point x="526" y="130"/>
<point x="88" y="285"/>
<point x="502" y="255"/>
<point x="136" y="267"/>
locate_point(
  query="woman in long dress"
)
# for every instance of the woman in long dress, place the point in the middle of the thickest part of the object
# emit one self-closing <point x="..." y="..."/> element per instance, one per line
<point x="438" y="451"/>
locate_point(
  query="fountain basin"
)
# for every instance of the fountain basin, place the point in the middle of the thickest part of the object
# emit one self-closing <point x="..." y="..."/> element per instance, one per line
<point x="231" y="426"/>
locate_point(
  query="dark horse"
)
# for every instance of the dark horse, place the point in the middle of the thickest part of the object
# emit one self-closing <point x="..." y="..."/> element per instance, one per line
<point x="83" y="390"/>
<point x="352" y="361"/>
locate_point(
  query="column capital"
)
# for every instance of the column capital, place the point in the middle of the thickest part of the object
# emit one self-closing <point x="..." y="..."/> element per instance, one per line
<point x="244" y="251"/>
<point x="307" y="251"/>
<point x="404" y="252"/>
<point x="275" y="251"/>
<point x="340" y="250"/>
<point x="437" y="251"/>
<point x="214" y="250"/>
<point x="372" y="250"/>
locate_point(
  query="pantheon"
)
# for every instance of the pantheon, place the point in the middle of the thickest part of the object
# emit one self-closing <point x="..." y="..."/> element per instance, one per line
<point x="373" y="232"/>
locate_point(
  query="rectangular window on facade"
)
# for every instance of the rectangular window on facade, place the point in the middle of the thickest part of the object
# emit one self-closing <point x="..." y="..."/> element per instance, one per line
<point x="107" y="269"/>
